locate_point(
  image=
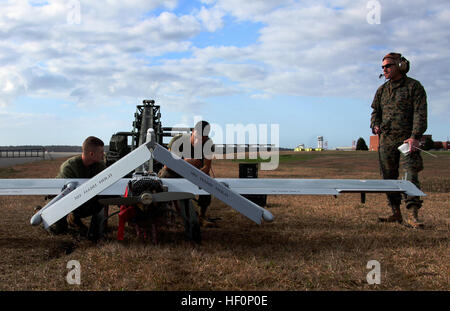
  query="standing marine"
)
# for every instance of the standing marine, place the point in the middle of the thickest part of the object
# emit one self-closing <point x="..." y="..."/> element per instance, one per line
<point x="399" y="116"/>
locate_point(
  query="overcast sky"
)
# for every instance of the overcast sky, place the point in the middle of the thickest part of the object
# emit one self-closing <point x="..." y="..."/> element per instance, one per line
<point x="70" y="69"/>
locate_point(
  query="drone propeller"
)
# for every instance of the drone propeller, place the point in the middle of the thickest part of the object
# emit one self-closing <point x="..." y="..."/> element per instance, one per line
<point x="147" y="198"/>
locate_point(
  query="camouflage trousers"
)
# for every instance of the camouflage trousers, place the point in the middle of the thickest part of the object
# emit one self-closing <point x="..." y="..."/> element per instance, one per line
<point x="90" y="208"/>
<point x="187" y="210"/>
<point x="390" y="159"/>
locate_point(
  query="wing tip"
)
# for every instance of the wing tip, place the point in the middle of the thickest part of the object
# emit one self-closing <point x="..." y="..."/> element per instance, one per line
<point x="36" y="219"/>
<point x="267" y="216"/>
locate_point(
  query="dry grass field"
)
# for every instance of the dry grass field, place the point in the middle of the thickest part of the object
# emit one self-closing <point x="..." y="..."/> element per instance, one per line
<point x="315" y="242"/>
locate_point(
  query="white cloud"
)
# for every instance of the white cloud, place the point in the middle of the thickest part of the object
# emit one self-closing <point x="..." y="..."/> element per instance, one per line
<point x="212" y="19"/>
<point x="102" y="59"/>
<point x="168" y="27"/>
<point x="11" y="85"/>
<point x="119" y="50"/>
<point x="321" y="48"/>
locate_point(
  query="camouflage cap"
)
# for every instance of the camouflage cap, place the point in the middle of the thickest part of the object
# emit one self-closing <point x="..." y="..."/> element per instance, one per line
<point x="394" y="56"/>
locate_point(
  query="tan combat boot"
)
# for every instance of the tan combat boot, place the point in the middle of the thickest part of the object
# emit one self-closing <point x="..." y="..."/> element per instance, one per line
<point x="413" y="217"/>
<point x="395" y="217"/>
<point x="205" y="223"/>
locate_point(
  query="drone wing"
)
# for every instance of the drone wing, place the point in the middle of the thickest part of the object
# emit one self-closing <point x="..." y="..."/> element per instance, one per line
<point x="320" y="186"/>
<point x="300" y="186"/>
<point x="49" y="186"/>
<point x="43" y="186"/>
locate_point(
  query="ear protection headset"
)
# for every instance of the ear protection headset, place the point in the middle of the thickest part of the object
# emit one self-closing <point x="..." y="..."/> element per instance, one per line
<point x="402" y="63"/>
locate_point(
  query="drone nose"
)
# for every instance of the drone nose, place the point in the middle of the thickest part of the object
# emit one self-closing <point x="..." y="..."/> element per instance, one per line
<point x="36" y="219"/>
<point x="267" y="216"/>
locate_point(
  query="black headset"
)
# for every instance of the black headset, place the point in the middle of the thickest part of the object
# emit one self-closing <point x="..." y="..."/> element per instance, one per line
<point x="403" y="64"/>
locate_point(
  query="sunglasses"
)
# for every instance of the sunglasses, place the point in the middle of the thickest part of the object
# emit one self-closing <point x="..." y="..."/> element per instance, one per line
<point x="387" y="66"/>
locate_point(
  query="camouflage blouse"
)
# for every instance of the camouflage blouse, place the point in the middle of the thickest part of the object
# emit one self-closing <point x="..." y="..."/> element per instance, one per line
<point x="74" y="168"/>
<point x="400" y="109"/>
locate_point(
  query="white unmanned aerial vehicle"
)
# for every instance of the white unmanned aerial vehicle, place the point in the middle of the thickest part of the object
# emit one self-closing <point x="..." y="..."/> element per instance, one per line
<point x="109" y="182"/>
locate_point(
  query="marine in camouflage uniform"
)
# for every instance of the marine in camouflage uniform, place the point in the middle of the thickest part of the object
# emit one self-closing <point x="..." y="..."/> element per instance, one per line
<point x="199" y="155"/>
<point x="400" y="115"/>
<point x="87" y="165"/>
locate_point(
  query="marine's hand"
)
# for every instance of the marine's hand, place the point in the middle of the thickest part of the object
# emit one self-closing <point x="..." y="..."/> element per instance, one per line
<point x="413" y="144"/>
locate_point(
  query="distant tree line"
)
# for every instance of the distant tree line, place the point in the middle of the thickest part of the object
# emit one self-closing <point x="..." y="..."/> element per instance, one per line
<point x="428" y="144"/>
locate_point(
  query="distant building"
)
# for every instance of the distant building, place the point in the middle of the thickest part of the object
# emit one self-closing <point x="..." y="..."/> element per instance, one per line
<point x="320" y="142"/>
<point x="373" y="146"/>
<point x="300" y="147"/>
<point x="441" y="145"/>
